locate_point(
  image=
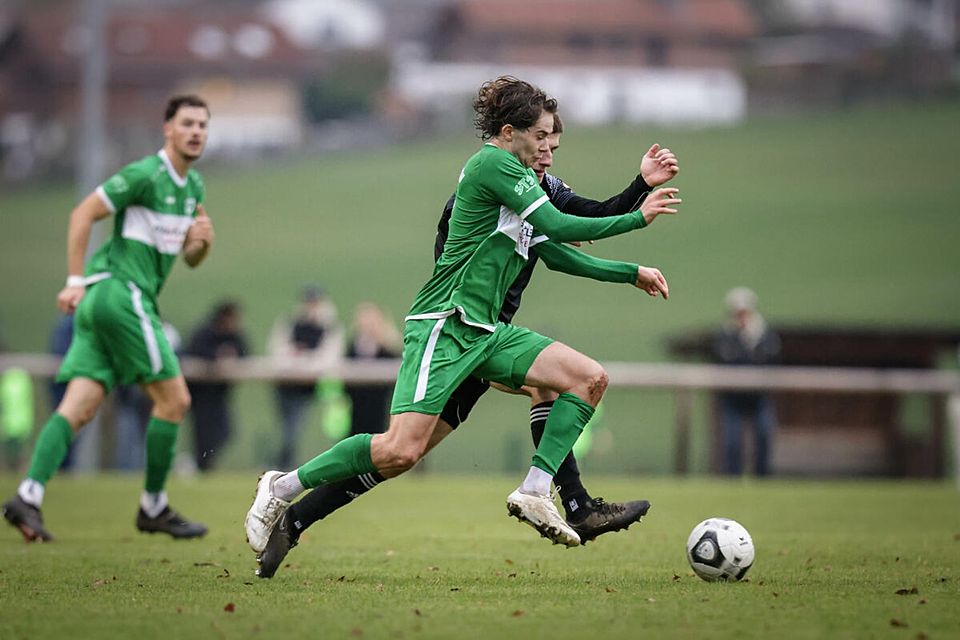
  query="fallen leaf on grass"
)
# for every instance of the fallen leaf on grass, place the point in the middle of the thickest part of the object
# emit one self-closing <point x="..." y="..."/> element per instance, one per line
<point x="922" y="601"/>
<point x="508" y="561"/>
<point x="676" y="577"/>
<point x="356" y="631"/>
<point x="225" y="574"/>
<point x="203" y="564"/>
<point x="898" y="623"/>
<point x="906" y="592"/>
<point x="417" y="612"/>
<point x="517" y="613"/>
<point x="609" y="589"/>
<point x="230" y="608"/>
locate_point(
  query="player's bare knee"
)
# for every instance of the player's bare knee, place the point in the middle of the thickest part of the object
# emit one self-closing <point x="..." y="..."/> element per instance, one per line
<point x="596" y="383"/>
<point x="174" y="407"/>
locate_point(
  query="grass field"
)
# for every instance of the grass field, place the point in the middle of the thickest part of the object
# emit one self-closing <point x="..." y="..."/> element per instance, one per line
<point x="433" y="556"/>
<point x="844" y="218"/>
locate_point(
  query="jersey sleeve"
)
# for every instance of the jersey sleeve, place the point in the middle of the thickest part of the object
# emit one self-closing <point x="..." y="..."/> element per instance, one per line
<point x="566" y="259"/>
<point x="561" y="227"/>
<point x="123" y="187"/>
<point x="512" y="185"/>
<point x="630" y="199"/>
<point x="518" y="189"/>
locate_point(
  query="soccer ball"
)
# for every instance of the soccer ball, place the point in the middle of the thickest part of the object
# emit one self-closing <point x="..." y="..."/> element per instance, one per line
<point x="720" y="549"/>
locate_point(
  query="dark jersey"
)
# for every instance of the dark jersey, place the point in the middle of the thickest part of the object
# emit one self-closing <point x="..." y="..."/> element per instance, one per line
<point x="566" y="200"/>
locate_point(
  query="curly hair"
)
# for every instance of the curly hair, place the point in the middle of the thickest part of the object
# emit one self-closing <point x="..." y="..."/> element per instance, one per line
<point x="508" y="100"/>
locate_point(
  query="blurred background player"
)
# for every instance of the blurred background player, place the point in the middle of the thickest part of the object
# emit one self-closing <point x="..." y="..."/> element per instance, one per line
<point x="746" y="339"/>
<point x="588" y="516"/>
<point x="118" y="337"/>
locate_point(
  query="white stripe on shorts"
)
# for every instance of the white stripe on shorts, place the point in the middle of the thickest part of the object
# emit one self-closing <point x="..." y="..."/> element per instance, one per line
<point x="149" y="337"/>
<point x="421" y="391"/>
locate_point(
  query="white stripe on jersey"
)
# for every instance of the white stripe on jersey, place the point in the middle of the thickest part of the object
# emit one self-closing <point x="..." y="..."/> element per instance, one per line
<point x="163" y="231"/>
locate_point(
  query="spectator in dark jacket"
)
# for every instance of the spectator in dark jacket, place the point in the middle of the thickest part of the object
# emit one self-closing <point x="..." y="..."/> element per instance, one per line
<point x="374" y="336"/>
<point x="220" y="337"/>
<point x="745" y="339"/>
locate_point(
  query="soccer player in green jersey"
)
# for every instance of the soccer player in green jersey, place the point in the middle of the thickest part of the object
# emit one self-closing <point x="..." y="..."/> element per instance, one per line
<point x="452" y="329"/>
<point x="589" y="516"/>
<point x="157" y="203"/>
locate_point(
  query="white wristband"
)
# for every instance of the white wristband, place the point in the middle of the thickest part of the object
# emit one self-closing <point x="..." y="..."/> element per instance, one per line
<point x="76" y="281"/>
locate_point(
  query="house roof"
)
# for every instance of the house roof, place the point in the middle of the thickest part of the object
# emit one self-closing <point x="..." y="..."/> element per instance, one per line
<point x="729" y="18"/>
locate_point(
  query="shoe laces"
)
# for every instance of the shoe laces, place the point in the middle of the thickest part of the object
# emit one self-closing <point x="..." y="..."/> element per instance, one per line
<point x="607" y="508"/>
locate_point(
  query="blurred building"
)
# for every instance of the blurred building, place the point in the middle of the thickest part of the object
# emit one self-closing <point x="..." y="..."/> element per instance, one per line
<point x="828" y="53"/>
<point x="252" y="62"/>
<point x="605" y="60"/>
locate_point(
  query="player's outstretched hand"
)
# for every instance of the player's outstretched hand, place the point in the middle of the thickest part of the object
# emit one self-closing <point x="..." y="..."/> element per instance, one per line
<point x="658" y="166"/>
<point x="652" y="281"/>
<point x="69" y="298"/>
<point x="660" y="201"/>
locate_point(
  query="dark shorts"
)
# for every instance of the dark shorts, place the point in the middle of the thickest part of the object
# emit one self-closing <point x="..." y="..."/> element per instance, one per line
<point x="461" y="402"/>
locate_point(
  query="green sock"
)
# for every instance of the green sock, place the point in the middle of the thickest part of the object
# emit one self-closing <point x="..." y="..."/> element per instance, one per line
<point x="51" y="448"/>
<point x="568" y="416"/>
<point x="348" y="458"/>
<point x="161" y="445"/>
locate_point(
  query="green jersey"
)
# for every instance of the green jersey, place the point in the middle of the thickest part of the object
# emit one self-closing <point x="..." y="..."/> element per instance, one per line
<point x="499" y="212"/>
<point x="154" y="208"/>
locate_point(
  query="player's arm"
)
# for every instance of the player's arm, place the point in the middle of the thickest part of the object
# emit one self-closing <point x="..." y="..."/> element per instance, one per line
<point x="566" y="259"/>
<point x="656" y="167"/>
<point x="561" y="227"/>
<point x="199" y="239"/>
<point x="90" y="209"/>
<point x="569" y="201"/>
<point x="560" y="257"/>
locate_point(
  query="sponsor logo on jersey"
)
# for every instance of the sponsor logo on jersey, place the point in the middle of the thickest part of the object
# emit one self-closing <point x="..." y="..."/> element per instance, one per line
<point x="189" y="206"/>
<point x="524" y="184"/>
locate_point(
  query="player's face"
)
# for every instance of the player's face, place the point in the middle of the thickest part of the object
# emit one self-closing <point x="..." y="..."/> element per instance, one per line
<point x="529" y="144"/>
<point x="545" y="160"/>
<point x="187" y="131"/>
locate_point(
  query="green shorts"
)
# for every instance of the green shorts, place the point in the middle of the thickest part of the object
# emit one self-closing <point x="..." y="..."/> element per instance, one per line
<point x="438" y="354"/>
<point x="118" y="338"/>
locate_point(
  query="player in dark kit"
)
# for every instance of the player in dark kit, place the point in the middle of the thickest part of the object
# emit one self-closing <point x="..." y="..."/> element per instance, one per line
<point x="589" y="517"/>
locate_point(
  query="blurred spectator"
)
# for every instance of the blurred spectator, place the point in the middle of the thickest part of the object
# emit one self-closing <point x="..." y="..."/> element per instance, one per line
<point x="219" y="338"/>
<point x="311" y="336"/>
<point x="374" y="336"/>
<point x="133" y="408"/>
<point x="745" y="339"/>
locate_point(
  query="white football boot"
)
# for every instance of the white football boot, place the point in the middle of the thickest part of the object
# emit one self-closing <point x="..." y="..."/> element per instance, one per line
<point x="264" y="513"/>
<point x="541" y="513"/>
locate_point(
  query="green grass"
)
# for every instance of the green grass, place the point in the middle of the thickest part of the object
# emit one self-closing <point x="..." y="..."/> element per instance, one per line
<point x="434" y="556"/>
<point x="845" y="218"/>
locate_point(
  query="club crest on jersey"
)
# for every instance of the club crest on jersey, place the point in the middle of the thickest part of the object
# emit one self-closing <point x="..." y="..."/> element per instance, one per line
<point x="118" y="184"/>
<point x="524" y="184"/>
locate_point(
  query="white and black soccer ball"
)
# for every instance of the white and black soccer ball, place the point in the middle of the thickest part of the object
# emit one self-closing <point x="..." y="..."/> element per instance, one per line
<point x="720" y="549"/>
